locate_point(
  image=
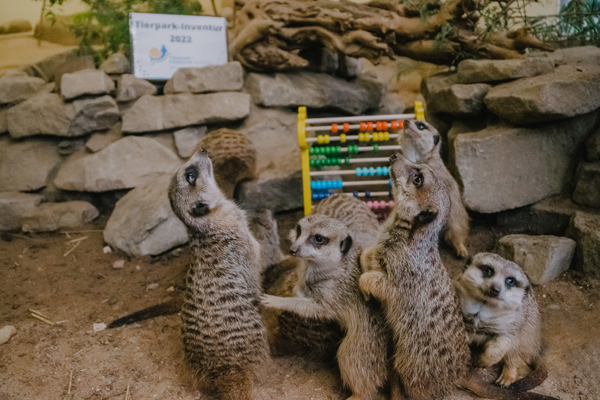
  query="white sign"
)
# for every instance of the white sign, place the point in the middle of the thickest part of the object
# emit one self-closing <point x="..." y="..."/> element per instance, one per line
<point x="163" y="43"/>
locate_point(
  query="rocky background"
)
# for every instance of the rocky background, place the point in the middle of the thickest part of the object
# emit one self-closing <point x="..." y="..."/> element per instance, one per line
<point x="522" y="139"/>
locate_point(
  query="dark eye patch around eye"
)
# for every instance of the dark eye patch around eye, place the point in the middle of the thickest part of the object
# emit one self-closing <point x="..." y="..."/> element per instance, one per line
<point x="487" y="271"/>
<point x="191" y="174"/>
<point x="319" y="240"/>
<point x="298" y="231"/>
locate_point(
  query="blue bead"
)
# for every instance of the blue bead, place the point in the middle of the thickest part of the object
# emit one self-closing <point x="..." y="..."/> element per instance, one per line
<point x="358" y="172"/>
<point x="355" y="193"/>
<point x="379" y="170"/>
<point x="367" y="194"/>
<point x="340" y="184"/>
<point x="371" y="171"/>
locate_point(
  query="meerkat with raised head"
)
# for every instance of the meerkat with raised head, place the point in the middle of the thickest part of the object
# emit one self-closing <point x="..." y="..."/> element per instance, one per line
<point x="420" y="143"/>
<point x="327" y="289"/>
<point x="224" y="336"/>
<point x="501" y="314"/>
<point x="404" y="271"/>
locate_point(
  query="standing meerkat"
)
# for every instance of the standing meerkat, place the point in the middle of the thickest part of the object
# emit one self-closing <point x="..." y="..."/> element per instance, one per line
<point x="404" y="270"/>
<point x="421" y="144"/>
<point x="501" y="314"/>
<point x="327" y="289"/>
<point x="224" y="336"/>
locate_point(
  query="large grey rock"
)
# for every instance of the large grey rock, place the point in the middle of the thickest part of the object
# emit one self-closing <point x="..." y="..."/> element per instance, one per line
<point x="26" y="166"/>
<point x="587" y="187"/>
<point x="44" y="114"/>
<point x="85" y="82"/>
<point x="476" y="71"/>
<point x="582" y="55"/>
<point x="278" y="194"/>
<point x="3" y="121"/>
<point x="17" y="88"/>
<point x="102" y="140"/>
<point x="143" y="223"/>
<point x="542" y="258"/>
<point x="213" y="78"/>
<point x="188" y="139"/>
<point x="585" y="230"/>
<point x="13" y="205"/>
<point x="131" y="88"/>
<point x="565" y="93"/>
<point x="592" y="145"/>
<point x="96" y="114"/>
<point x="127" y="163"/>
<point x="50" y="217"/>
<point x="504" y="167"/>
<point x="156" y="113"/>
<point x="314" y="90"/>
<point x="70" y="65"/>
<point x="444" y="94"/>
<point x="116" y="63"/>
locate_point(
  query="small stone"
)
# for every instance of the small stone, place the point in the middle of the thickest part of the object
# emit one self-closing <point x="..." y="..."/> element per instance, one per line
<point x="477" y="71"/>
<point x="188" y="139"/>
<point x="171" y="289"/>
<point x="587" y="186"/>
<point x="131" y="88"/>
<point x="13" y="205"/>
<point x="6" y="333"/>
<point x="553" y="307"/>
<point x="277" y="194"/>
<point x="49" y="217"/>
<point x="106" y="250"/>
<point x="213" y="78"/>
<point x="85" y="82"/>
<point x="14" y="89"/>
<point x="152" y="286"/>
<point x="113" y="300"/>
<point x="99" y="327"/>
<point x="585" y="230"/>
<point x="118" y="264"/>
<point x="116" y="63"/>
<point x="137" y="267"/>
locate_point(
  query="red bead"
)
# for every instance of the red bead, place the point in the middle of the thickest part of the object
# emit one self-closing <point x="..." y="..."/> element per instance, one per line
<point x="369" y="126"/>
<point x="363" y="126"/>
<point x="394" y="124"/>
<point x="346" y="127"/>
<point x="400" y="124"/>
<point x="384" y="126"/>
<point x="378" y="126"/>
<point x="334" y="128"/>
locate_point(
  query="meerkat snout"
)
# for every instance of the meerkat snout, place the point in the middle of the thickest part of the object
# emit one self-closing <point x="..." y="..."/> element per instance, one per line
<point x="199" y="210"/>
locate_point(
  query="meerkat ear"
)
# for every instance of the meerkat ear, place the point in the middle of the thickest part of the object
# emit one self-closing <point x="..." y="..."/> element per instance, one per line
<point x="436" y="140"/>
<point x="527" y="289"/>
<point x="346" y="244"/>
<point x="469" y="261"/>
<point x="425" y="217"/>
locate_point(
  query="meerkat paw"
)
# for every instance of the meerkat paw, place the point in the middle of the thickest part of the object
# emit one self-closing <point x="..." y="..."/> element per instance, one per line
<point x="366" y="257"/>
<point x="368" y="282"/>
<point x="508" y="376"/>
<point x="461" y="251"/>
<point x="489" y="357"/>
<point x="270" y="301"/>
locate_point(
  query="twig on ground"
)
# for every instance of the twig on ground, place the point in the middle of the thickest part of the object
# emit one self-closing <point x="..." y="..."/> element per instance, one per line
<point x="76" y="242"/>
<point x="127" y="393"/>
<point x="70" y="382"/>
<point x="38" y="315"/>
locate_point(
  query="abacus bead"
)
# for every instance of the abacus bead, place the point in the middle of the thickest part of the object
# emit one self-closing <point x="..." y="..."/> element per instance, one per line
<point x="326" y="139"/>
<point x="343" y="138"/>
<point x="390" y="204"/>
<point x="371" y="171"/>
<point x="346" y="127"/>
<point x="379" y="170"/>
<point x="347" y="160"/>
<point x="375" y="147"/>
<point x="311" y="163"/>
<point x="382" y="204"/>
<point x="361" y="137"/>
<point x="358" y="172"/>
<point x="370" y="204"/>
<point x="378" y="125"/>
<point x="355" y="193"/>
<point x="367" y="194"/>
<point x="384" y="125"/>
<point x="334" y="128"/>
<point x="394" y="124"/>
<point x="367" y="137"/>
<point x="363" y="126"/>
<point x="401" y="124"/>
<point x="386" y="136"/>
<point x="369" y="126"/>
<point x="320" y="139"/>
<point x="311" y="151"/>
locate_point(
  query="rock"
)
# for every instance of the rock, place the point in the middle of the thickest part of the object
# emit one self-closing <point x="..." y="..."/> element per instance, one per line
<point x="26" y="166"/>
<point x="17" y="88"/>
<point x="119" y="264"/>
<point x="542" y="258"/>
<point x="3" y="121"/>
<point x="565" y="93"/>
<point x="99" y="141"/>
<point x="116" y="63"/>
<point x="91" y="115"/>
<point x="126" y="163"/>
<point x="188" y="139"/>
<point x="70" y="65"/>
<point x="85" y="82"/>
<point x="477" y="71"/>
<point x="277" y="195"/>
<point x="391" y="103"/>
<point x="587" y="187"/>
<point x="143" y="223"/>
<point x="131" y="88"/>
<point x="321" y="59"/>
<point x="70" y="146"/>
<point x="6" y="333"/>
<point x="213" y="78"/>
<point x="13" y="205"/>
<point x="314" y="90"/>
<point x="548" y="217"/>
<point x="156" y="113"/>
<point x="582" y="55"/>
<point x="585" y="230"/>
<point x="349" y="67"/>
<point x="46" y="68"/>
<point x="592" y="145"/>
<point x="50" y="217"/>
<point x="44" y="114"/>
<point x="504" y="167"/>
<point x="99" y="327"/>
<point x="152" y="286"/>
<point x="443" y="94"/>
<point x="15" y="26"/>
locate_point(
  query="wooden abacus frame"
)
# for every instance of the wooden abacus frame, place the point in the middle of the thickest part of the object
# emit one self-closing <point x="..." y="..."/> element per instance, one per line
<point x="377" y="131"/>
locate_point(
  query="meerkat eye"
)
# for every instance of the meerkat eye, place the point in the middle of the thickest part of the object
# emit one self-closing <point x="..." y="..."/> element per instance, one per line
<point x="298" y="231"/>
<point x="417" y="178"/>
<point x="191" y="174"/>
<point x="420" y="125"/>
<point x="510" y="282"/>
<point x="487" y="271"/>
<point x="319" y="239"/>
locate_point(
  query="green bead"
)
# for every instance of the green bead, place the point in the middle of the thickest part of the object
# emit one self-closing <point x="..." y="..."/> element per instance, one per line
<point x="375" y="147"/>
<point x="339" y="161"/>
<point x="329" y="150"/>
<point x="347" y="160"/>
<point x="338" y="149"/>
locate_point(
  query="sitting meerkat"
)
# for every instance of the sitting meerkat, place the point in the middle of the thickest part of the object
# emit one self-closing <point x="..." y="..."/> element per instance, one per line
<point x="327" y="289"/>
<point x="500" y="313"/>
<point x="421" y="144"/>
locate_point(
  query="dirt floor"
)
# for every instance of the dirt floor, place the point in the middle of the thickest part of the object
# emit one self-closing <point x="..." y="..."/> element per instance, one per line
<point x="144" y="361"/>
<point x="20" y="49"/>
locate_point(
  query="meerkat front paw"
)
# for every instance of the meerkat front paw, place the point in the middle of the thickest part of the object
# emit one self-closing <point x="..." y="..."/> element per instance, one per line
<point x="461" y="251"/>
<point x="491" y="356"/>
<point x="508" y="376"/>
<point x="366" y="258"/>
<point x="368" y="283"/>
<point x="270" y="301"/>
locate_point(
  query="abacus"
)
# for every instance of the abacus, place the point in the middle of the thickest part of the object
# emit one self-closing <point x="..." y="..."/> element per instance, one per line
<point x="353" y="134"/>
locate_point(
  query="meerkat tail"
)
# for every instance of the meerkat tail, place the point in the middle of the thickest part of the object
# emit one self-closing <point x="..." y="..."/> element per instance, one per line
<point x="531" y="381"/>
<point x="168" y="308"/>
<point x="486" y="390"/>
<point x="233" y="387"/>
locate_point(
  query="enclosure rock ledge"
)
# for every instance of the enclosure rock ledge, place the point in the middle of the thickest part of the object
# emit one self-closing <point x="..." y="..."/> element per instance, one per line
<point x="50" y="217"/>
<point x="504" y="167"/>
<point x="188" y="139"/>
<point x="13" y="205"/>
<point x="542" y="258"/>
<point x="314" y="90"/>
<point x="277" y="194"/>
<point x="102" y="140"/>
<point x="3" y="121"/>
<point x="478" y="71"/>
<point x="26" y="166"/>
<point x="592" y="146"/>
<point x="157" y="113"/>
<point x="44" y="114"/>
<point x="131" y="88"/>
<point x="85" y="82"/>
<point x="116" y="63"/>
<point x="585" y="230"/>
<point x="126" y="163"/>
<point x="14" y="89"/>
<point x="93" y="115"/>
<point x="143" y="222"/>
<point x="587" y="187"/>
<point x="214" y="78"/>
<point x="565" y="93"/>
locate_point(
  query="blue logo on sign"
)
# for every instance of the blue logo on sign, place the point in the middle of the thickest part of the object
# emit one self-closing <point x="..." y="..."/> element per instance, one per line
<point x="158" y="55"/>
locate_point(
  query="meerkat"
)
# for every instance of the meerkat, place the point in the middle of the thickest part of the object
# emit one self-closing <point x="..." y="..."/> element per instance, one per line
<point x="327" y="289"/>
<point x="421" y="144"/>
<point x="404" y="271"/>
<point x="501" y="314"/>
<point x="224" y="336"/>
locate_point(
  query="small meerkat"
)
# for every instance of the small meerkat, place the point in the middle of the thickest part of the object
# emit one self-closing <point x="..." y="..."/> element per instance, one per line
<point x="327" y="289"/>
<point x="224" y="336"/>
<point x="404" y="271"/>
<point x="421" y="144"/>
<point x="500" y="313"/>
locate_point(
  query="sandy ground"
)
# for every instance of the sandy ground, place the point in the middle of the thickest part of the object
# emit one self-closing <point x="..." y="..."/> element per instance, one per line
<point x="144" y="361"/>
<point x="22" y="49"/>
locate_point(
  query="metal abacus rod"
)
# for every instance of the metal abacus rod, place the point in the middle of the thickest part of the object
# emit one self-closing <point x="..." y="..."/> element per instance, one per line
<point x="331" y="120"/>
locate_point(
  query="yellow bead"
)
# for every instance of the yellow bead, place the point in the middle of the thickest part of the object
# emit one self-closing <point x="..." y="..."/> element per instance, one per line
<point x="326" y="139"/>
<point x="361" y="137"/>
<point x="320" y="139"/>
<point x="367" y="137"/>
<point x="343" y="138"/>
<point x="387" y="136"/>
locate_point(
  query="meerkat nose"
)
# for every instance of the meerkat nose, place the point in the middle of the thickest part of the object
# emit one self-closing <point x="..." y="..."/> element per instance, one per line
<point x="494" y="291"/>
<point x="293" y="251"/>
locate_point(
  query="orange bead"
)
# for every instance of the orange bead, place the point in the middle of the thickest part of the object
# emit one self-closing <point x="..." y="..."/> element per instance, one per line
<point x="394" y="125"/>
<point x="346" y="127"/>
<point x="369" y="126"/>
<point x="378" y="125"/>
<point x="384" y="126"/>
<point x="400" y="124"/>
<point x="363" y="126"/>
<point x="334" y="128"/>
